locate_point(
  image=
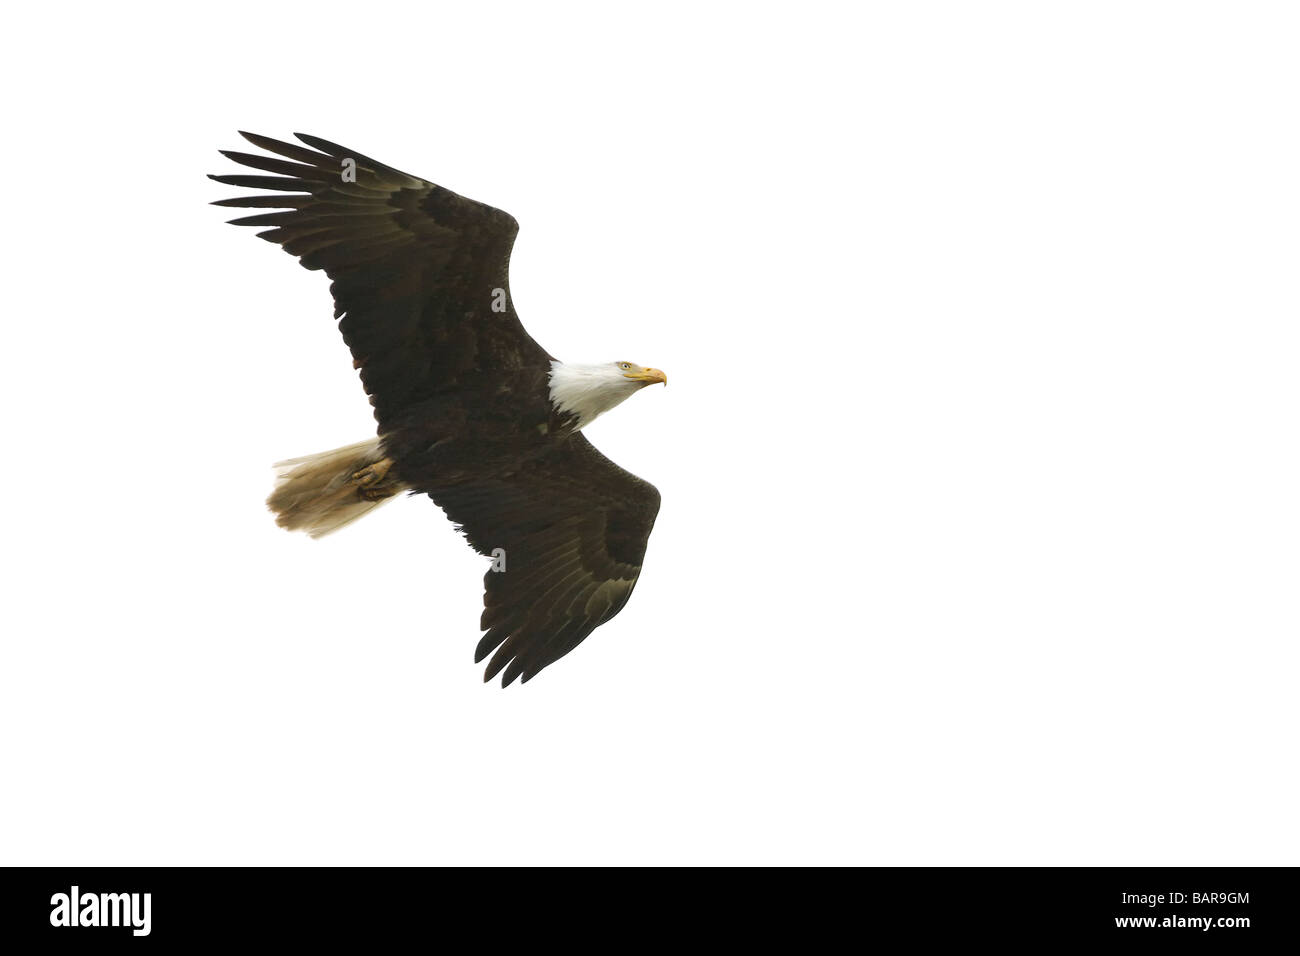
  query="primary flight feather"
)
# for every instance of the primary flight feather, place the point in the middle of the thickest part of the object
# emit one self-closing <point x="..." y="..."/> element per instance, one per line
<point x="471" y="411"/>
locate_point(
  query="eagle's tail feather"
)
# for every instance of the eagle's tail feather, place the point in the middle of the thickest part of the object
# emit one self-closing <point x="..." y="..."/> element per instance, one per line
<point x="321" y="493"/>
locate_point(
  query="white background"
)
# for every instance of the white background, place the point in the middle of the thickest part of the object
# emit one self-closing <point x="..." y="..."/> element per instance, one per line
<point x="978" y="461"/>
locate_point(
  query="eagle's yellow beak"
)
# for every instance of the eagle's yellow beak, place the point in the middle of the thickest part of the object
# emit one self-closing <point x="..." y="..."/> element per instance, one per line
<point x="648" y="375"/>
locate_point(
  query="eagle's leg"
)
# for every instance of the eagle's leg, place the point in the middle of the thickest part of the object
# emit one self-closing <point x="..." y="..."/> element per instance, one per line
<point x="374" y="483"/>
<point x="373" y="474"/>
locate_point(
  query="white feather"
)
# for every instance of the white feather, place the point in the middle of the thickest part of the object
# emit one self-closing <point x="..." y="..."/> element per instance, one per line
<point x="588" y="391"/>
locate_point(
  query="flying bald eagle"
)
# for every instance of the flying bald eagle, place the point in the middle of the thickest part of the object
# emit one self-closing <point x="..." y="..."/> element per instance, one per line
<point x="471" y="411"/>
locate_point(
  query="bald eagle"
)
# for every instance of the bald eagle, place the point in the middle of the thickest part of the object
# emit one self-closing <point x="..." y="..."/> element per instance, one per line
<point x="470" y="410"/>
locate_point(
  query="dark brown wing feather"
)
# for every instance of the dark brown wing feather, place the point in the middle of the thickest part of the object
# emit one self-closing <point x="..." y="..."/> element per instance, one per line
<point x="573" y="526"/>
<point x="416" y="268"/>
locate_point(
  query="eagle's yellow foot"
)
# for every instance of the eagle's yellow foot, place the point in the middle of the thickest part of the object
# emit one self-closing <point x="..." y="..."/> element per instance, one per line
<point x="373" y="474"/>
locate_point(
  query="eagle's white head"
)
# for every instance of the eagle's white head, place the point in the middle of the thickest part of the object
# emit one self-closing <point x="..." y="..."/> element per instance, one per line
<point x="586" y="391"/>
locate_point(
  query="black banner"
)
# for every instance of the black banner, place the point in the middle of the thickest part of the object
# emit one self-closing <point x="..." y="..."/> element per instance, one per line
<point x="142" y="907"/>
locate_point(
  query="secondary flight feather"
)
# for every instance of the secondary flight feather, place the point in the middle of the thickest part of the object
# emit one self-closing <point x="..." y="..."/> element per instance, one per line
<point x="470" y="410"/>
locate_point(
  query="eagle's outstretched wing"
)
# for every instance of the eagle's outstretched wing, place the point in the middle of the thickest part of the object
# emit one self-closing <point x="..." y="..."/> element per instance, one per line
<point x="416" y="269"/>
<point x="572" y="528"/>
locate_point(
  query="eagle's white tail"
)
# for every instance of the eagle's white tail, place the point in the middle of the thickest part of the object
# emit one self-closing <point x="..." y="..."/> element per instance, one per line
<point x="321" y="493"/>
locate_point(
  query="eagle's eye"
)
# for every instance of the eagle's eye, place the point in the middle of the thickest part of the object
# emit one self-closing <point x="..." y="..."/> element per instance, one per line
<point x="625" y="365"/>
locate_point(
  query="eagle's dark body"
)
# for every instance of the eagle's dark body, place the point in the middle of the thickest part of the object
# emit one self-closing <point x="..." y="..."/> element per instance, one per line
<point x="485" y="423"/>
<point x="460" y="390"/>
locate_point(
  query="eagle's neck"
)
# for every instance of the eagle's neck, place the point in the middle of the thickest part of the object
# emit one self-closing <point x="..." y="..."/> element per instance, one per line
<point x="587" y="391"/>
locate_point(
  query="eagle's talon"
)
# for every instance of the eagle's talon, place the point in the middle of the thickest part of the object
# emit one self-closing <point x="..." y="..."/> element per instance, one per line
<point x="373" y="474"/>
